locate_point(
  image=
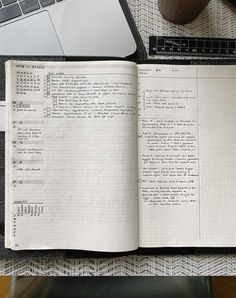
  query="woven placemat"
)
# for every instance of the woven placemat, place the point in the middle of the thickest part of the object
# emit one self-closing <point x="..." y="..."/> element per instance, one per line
<point x="135" y="266"/>
<point x="217" y="20"/>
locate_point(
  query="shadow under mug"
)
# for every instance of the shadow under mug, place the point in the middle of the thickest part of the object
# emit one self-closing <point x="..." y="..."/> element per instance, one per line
<point x="181" y="11"/>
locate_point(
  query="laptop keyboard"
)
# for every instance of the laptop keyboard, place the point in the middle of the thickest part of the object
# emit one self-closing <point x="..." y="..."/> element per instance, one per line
<point x="10" y="9"/>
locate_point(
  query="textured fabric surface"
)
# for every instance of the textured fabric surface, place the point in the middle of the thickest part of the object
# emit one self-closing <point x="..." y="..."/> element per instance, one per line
<point x="135" y="265"/>
<point x="217" y="20"/>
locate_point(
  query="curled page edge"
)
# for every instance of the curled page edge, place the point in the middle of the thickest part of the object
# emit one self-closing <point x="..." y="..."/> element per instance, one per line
<point x="2" y="115"/>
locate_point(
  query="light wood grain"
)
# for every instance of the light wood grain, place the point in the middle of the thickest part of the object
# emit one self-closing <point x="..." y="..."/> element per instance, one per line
<point x="4" y="286"/>
<point x="224" y="287"/>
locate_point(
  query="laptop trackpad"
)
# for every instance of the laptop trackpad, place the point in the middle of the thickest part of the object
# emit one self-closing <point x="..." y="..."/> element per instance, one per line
<point x="34" y="35"/>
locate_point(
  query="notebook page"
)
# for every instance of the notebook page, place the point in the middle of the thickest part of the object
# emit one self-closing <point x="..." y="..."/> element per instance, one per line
<point x="72" y="164"/>
<point x="217" y="155"/>
<point x="168" y="156"/>
<point x="187" y="164"/>
<point x="2" y="115"/>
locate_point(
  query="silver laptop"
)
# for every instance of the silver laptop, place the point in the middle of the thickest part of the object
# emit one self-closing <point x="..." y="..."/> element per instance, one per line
<point x="64" y="27"/>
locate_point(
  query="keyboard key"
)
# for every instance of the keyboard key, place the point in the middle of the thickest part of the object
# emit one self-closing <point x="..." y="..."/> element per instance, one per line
<point x="46" y="2"/>
<point x="7" y="2"/>
<point x="29" y="5"/>
<point x="9" y="12"/>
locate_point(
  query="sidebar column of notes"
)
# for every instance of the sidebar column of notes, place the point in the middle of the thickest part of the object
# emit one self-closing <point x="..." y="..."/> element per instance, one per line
<point x="27" y="149"/>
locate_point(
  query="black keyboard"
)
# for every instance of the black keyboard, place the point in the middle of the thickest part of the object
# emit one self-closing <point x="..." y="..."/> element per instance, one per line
<point x="11" y="9"/>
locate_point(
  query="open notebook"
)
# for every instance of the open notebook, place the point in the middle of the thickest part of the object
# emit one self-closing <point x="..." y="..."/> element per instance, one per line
<point x="112" y="156"/>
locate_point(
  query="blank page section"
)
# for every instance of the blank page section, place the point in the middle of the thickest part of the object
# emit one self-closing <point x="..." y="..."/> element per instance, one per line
<point x="217" y="154"/>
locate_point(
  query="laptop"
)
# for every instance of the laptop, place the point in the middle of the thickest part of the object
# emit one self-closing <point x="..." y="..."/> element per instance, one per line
<point x="64" y="28"/>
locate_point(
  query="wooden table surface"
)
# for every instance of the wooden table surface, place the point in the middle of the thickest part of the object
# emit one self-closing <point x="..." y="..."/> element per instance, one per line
<point x="4" y="286"/>
<point x="223" y="287"/>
